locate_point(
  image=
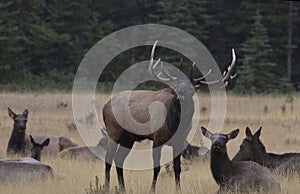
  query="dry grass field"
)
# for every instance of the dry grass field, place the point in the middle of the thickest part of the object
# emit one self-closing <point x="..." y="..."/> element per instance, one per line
<point x="281" y="133"/>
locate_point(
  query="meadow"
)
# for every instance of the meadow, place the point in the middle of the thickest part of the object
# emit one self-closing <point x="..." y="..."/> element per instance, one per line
<point x="51" y="113"/>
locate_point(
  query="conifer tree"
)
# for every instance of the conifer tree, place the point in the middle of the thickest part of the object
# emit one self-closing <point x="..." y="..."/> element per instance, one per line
<point x="257" y="71"/>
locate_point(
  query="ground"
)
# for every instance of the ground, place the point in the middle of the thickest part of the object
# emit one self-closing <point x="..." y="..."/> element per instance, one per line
<point x="51" y="113"/>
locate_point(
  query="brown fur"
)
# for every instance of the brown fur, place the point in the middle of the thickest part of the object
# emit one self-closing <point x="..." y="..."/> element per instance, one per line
<point x="83" y="153"/>
<point x="253" y="149"/>
<point x="196" y="153"/>
<point x="138" y="105"/>
<point x="87" y="152"/>
<point x="24" y="171"/>
<point x="179" y="110"/>
<point x="20" y="143"/>
<point x="37" y="148"/>
<point x="234" y="176"/>
<point x="26" y="168"/>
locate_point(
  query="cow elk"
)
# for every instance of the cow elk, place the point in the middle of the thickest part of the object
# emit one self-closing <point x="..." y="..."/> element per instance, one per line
<point x="87" y="153"/>
<point x="37" y="148"/>
<point x="20" y="143"/>
<point x="27" y="169"/>
<point x="24" y="170"/>
<point x="178" y="103"/>
<point x="252" y="149"/>
<point x="192" y="152"/>
<point x="238" y="176"/>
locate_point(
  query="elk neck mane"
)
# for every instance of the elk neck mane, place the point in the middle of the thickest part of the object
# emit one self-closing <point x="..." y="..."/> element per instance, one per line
<point x="259" y="148"/>
<point x="219" y="166"/>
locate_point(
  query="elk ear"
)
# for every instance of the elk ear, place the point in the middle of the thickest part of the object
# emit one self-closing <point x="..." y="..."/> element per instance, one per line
<point x="25" y="113"/>
<point x="46" y="142"/>
<point x="248" y="132"/>
<point x="233" y="134"/>
<point x="31" y="139"/>
<point x="257" y="133"/>
<point x="11" y="113"/>
<point x="206" y="133"/>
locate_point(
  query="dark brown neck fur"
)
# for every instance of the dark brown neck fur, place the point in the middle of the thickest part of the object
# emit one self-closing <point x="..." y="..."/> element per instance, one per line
<point x="221" y="166"/>
<point x="16" y="144"/>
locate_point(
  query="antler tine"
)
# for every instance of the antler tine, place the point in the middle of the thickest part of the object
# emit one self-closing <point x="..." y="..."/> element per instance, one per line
<point x="228" y="76"/>
<point x="198" y="79"/>
<point x="153" y="49"/>
<point x="171" y="78"/>
<point x="192" y="73"/>
<point x="203" y="77"/>
<point x="178" y="75"/>
<point x="152" y="66"/>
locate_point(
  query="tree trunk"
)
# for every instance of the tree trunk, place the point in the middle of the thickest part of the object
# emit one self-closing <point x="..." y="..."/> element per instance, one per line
<point x="290" y="34"/>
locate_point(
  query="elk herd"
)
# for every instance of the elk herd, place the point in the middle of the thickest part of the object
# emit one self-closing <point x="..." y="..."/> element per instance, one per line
<point x="251" y="169"/>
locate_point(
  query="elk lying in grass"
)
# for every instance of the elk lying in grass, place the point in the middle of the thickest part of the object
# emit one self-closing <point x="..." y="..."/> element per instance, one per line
<point x="234" y="176"/>
<point x="27" y="168"/>
<point x="254" y="150"/>
<point x="87" y="152"/>
<point x="20" y="143"/>
<point x="178" y="103"/>
<point x="20" y="170"/>
<point x="37" y="148"/>
<point x="196" y="153"/>
<point x="36" y="151"/>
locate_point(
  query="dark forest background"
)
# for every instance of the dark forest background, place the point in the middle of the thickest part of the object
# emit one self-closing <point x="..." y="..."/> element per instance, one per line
<point x="42" y="42"/>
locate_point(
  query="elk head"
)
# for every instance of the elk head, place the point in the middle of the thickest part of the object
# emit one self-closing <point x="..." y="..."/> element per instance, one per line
<point x="19" y="120"/>
<point x="37" y="148"/>
<point x="249" y="146"/>
<point x="218" y="140"/>
<point x="183" y="88"/>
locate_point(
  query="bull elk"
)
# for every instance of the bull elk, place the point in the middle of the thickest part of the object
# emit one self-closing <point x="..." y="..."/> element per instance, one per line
<point x="20" y="143"/>
<point x="254" y="150"/>
<point x="139" y="103"/>
<point x="237" y="176"/>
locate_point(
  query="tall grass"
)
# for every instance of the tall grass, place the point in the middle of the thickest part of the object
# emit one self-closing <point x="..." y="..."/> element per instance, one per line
<point x="281" y="133"/>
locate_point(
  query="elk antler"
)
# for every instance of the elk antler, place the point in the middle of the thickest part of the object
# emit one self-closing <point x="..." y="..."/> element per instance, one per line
<point x="158" y="77"/>
<point x="226" y="78"/>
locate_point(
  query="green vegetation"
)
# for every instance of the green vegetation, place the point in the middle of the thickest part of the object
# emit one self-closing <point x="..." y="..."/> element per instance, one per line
<point x="42" y="42"/>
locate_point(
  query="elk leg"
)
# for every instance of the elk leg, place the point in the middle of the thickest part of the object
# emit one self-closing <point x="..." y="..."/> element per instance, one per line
<point x="156" y="159"/>
<point x="111" y="150"/>
<point x="177" y="168"/>
<point x="121" y="154"/>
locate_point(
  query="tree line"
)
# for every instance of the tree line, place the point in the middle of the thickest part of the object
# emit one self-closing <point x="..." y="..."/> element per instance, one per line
<point x="42" y="42"/>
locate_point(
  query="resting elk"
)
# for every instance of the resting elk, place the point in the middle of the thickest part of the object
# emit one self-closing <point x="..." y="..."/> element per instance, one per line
<point x="87" y="152"/>
<point x="254" y="150"/>
<point x="192" y="152"/>
<point x="235" y="176"/>
<point x="27" y="169"/>
<point x="177" y="102"/>
<point x="37" y="148"/>
<point x="20" y="143"/>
